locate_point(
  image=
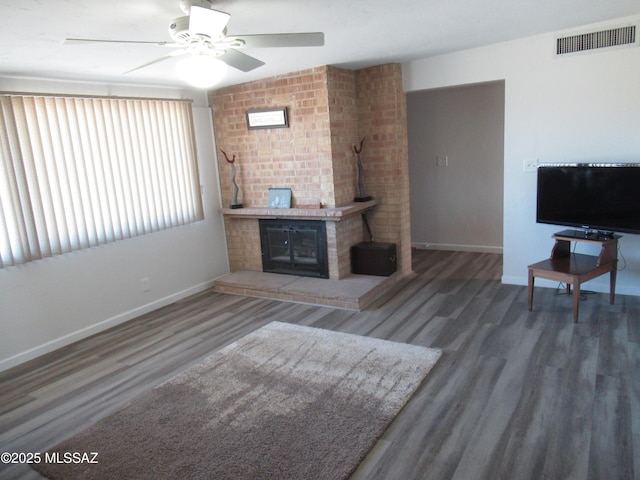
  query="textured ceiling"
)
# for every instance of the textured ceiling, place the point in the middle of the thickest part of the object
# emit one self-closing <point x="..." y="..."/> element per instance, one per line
<point x="357" y="33"/>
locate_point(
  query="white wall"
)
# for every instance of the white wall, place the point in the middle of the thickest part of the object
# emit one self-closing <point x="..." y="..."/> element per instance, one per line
<point x="52" y="302"/>
<point x="583" y="107"/>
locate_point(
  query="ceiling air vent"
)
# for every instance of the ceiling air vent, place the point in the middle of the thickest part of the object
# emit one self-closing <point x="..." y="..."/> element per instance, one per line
<point x="613" y="37"/>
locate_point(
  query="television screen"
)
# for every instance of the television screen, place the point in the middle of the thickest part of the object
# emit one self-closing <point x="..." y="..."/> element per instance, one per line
<point x="602" y="197"/>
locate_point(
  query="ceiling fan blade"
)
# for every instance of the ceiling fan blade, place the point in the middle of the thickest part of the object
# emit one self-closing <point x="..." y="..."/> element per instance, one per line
<point x="239" y="60"/>
<point x="175" y="53"/>
<point x="268" y="40"/>
<point x="205" y="21"/>
<point x="76" y="41"/>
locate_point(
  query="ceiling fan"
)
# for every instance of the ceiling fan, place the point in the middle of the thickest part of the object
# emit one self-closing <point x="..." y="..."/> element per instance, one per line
<point x="201" y="35"/>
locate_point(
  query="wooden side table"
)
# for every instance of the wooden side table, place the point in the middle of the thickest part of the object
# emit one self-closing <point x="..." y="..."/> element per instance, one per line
<point x="575" y="268"/>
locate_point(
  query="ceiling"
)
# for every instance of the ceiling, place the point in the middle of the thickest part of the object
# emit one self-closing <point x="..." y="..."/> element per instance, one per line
<point x="358" y="33"/>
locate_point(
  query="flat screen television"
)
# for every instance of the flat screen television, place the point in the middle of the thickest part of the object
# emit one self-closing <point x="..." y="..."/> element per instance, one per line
<point x="595" y="197"/>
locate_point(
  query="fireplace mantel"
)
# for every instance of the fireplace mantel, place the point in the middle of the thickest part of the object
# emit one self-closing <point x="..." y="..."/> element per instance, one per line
<point x="333" y="214"/>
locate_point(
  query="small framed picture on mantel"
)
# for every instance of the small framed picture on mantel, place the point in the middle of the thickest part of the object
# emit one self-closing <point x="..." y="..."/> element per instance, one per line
<point x="267" y="118"/>
<point x="279" y="198"/>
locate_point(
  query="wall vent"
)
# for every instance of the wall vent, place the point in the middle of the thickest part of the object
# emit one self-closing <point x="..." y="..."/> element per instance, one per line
<point x="613" y="37"/>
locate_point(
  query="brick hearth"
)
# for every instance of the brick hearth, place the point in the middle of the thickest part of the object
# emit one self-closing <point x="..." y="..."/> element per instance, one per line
<point x="353" y="293"/>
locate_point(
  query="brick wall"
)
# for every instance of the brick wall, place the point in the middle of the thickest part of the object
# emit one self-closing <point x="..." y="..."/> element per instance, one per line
<point x="343" y="122"/>
<point x="382" y="122"/>
<point x="243" y="244"/>
<point x="298" y="157"/>
<point x="330" y="110"/>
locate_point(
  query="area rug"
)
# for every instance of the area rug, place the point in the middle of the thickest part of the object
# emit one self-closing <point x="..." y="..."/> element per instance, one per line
<point x="283" y="402"/>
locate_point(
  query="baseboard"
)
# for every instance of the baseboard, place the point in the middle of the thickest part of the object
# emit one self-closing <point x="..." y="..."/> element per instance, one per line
<point x="457" y="248"/>
<point x="99" y="327"/>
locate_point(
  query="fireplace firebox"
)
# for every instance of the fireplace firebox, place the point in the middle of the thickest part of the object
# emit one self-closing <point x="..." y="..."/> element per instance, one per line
<point x="295" y="247"/>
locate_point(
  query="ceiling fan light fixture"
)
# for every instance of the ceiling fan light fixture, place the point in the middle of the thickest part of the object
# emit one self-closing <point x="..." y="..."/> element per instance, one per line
<point x="201" y="70"/>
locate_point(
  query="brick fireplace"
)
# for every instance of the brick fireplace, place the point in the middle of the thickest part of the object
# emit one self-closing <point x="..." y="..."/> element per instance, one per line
<point x="330" y="110"/>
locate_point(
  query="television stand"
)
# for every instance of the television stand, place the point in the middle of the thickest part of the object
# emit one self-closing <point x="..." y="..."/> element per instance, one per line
<point x="575" y="268"/>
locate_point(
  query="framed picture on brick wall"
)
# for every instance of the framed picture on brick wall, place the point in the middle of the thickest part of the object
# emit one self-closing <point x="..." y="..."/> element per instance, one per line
<point x="267" y="118"/>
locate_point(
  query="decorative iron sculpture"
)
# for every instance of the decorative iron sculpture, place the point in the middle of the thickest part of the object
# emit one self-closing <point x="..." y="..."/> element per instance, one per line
<point x="234" y="185"/>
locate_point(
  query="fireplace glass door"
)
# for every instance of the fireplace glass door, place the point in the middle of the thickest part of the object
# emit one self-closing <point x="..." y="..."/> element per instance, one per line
<point x="296" y="247"/>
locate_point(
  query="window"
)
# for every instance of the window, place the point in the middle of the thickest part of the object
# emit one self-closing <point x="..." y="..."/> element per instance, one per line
<point x="77" y="172"/>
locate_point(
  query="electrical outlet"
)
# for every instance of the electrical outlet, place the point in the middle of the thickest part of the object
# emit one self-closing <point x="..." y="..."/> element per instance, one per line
<point x="442" y="161"/>
<point x="144" y="283"/>
<point x="529" y="165"/>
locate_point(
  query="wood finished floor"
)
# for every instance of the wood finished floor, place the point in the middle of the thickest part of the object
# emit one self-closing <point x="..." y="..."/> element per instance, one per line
<point x="516" y="395"/>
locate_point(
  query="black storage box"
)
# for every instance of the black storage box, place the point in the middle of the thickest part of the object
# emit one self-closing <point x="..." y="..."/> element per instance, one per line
<point x="374" y="258"/>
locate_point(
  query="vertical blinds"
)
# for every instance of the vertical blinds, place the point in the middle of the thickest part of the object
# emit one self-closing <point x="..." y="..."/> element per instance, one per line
<point x="77" y="172"/>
